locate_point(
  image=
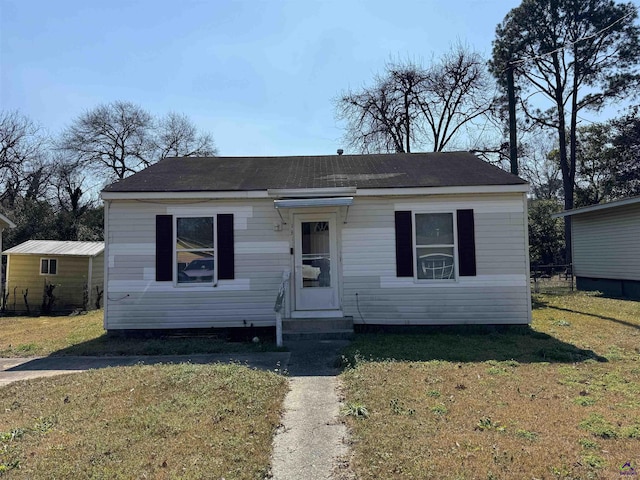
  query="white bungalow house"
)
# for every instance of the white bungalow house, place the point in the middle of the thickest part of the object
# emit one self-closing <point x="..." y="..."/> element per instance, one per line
<point x="396" y="239"/>
<point x="605" y="247"/>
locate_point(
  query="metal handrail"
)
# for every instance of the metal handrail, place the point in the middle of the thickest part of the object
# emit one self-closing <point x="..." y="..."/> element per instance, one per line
<point x="280" y="305"/>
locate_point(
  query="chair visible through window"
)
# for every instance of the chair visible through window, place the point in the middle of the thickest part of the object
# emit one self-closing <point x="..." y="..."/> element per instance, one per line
<point x="435" y="266"/>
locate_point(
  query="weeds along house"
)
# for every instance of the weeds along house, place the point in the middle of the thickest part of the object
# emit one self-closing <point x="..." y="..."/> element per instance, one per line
<point x="75" y="269"/>
<point x="397" y="239"/>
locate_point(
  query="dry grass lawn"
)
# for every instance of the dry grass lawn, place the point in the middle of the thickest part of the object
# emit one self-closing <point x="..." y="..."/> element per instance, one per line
<point x="162" y="422"/>
<point x="84" y="335"/>
<point x="559" y="401"/>
<point x="30" y="336"/>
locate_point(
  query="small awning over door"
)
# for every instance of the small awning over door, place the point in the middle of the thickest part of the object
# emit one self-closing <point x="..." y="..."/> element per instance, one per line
<point x="313" y="202"/>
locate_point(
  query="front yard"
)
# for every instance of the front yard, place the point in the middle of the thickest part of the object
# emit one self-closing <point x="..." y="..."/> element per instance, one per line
<point x="162" y="422"/>
<point x="561" y="401"/>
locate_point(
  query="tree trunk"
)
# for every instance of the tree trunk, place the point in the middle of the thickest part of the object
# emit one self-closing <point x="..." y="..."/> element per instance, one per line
<point x="408" y="123"/>
<point x="565" y="167"/>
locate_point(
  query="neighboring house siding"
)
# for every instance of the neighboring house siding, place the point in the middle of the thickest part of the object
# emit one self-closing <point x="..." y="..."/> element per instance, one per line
<point x="137" y="301"/>
<point x="499" y="293"/>
<point x="606" y="243"/>
<point x="24" y="273"/>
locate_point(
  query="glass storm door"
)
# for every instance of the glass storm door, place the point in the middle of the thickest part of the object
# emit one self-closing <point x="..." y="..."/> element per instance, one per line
<point x="316" y="274"/>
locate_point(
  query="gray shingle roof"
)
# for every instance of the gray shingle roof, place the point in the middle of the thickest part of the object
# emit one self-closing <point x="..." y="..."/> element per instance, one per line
<point x="442" y="169"/>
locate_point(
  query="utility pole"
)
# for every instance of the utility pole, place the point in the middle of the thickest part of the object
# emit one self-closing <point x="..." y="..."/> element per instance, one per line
<point x="513" y="140"/>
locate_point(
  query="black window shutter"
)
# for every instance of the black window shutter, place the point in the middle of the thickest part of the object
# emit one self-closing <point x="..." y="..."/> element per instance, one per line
<point x="404" y="244"/>
<point x="466" y="243"/>
<point x="164" y="248"/>
<point x="226" y="258"/>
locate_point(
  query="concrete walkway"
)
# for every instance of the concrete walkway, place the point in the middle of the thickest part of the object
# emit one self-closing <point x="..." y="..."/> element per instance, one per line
<point x="311" y="441"/>
<point x="14" y="369"/>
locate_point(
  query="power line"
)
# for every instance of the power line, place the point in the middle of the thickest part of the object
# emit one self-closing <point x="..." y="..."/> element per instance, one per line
<point x="569" y="44"/>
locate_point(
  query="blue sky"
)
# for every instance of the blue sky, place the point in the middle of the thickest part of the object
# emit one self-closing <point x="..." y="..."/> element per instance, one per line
<point x="259" y="75"/>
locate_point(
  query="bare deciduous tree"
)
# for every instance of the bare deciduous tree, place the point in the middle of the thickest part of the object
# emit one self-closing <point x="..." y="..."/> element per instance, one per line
<point x="121" y="138"/>
<point x="456" y="92"/>
<point x="540" y="166"/>
<point x="177" y="136"/>
<point x="112" y="138"/>
<point x="412" y="107"/>
<point x="22" y="157"/>
<point x="376" y="121"/>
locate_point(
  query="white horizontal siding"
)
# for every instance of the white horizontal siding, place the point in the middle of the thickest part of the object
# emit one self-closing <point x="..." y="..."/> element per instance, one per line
<point x="436" y="306"/>
<point x="606" y="243"/>
<point x="243" y="248"/>
<point x="369" y="248"/>
<point x="506" y="280"/>
<point x="498" y="294"/>
<point x="479" y="203"/>
<point x="368" y="251"/>
<point x="136" y="300"/>
<point x="147" y="286"/>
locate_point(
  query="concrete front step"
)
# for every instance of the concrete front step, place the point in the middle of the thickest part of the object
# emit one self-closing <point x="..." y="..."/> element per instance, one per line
<point x="317" y="328"/>
<point x="333" y="335"/>
<point x="291" y="325"/>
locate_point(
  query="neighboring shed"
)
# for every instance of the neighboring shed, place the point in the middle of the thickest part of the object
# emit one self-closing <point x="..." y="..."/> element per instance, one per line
<point x="605" y="248"/>
<point x="75" y="268"/>
<point x="397" y="239"/>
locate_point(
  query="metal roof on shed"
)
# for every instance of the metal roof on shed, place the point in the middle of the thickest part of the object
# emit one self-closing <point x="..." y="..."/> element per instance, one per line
<point x="57" y="248"/>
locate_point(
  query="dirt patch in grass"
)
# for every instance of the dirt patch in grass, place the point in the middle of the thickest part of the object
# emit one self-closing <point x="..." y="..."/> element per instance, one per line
<point x="85" y="335"/>
<point x="441" y="407"/>
<point x="163" y="421"/>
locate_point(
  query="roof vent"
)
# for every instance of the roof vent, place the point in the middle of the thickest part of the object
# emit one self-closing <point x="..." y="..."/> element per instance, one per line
<point x="340" y="151"/>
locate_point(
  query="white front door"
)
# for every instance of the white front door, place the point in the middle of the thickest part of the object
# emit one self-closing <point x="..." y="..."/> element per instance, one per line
<point x="315" y="256"/>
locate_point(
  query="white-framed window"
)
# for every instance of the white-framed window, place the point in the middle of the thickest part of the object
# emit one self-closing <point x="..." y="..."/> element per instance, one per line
<point x="195" y="250"/>
<point x="48" y="266"/>
<point x="435" y="246"/>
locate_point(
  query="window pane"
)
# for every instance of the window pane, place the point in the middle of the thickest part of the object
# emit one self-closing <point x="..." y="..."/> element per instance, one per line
<point x="196" y="232"/>
<point x="434" y="229"/>
<point x="44" y="266"/>
<point x="316" y="258"/>
<point x="435" y="263"/>
<point x="53" y="267"/>
<point x="195" y="267"/>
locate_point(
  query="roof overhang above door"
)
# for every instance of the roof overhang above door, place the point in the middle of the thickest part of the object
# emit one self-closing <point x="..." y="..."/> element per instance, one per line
<point x="313" y="202"/>
<point x="311" y="192"/>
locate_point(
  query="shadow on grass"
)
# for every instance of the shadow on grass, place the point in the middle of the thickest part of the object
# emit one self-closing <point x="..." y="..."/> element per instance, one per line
<point x="601" y="317"/>
<point x="537" y="302"/>
<point x="173" y="343"/>
<point x="465" y="344"/>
